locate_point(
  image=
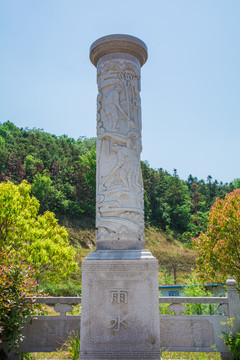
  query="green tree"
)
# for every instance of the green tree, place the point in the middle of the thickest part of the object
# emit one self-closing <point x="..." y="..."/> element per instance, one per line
<point x="87" y="167"/>
<point x="236" y="183"/>
<point x="37" y="238"/>
<point x="166" y="198"/>
<point x="65" y="183"/>
<point x="31" y="165"/>
<point x="219" y="247"/>
<point x="45" y="192"/>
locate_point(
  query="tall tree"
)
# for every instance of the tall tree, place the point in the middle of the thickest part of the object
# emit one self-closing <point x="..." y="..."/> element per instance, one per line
<point x="37" y="238"/>
<point x="219" y="247"/>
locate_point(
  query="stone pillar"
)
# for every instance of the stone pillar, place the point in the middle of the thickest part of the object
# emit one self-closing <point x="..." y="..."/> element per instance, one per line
<point x="119" y="213"/>
<point x="233" y="303"/>
<point x="234" y="311"/>
<point x="120" y="310"/>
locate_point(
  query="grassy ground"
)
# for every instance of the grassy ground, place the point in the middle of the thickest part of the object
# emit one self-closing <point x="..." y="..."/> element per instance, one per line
<point x="63" y="355"/>
<point x="190" y="356"/>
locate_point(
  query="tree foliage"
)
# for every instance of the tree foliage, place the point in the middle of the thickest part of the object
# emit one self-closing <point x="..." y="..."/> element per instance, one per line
<point x="16" y="283"/>
<point x="37" y="238"/>
<point x="219" y="247"/>
<point x="62" y="172"/>
<point x="56" y="166"/>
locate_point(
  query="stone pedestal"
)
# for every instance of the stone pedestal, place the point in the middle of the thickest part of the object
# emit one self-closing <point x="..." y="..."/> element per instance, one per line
<point x="120" y="306"/>
<point x="120" y="310"/>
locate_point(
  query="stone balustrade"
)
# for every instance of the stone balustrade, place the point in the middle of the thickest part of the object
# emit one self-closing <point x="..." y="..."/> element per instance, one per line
<point x="178" y="332"/>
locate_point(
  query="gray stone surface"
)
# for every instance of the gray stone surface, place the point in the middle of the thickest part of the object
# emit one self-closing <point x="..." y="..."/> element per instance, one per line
<point x="189" y="333"/>
<point x="119" y="186"/>
<point x="233" y="303"/>
<point x="118" y="43"/>
<point x="120" y="255"/>
<point x="48" y="333"/>
<point x="120" y="309"/>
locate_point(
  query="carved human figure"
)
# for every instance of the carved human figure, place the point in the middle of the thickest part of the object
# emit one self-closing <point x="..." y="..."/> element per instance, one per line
<point x="112" y="107"/>
<point x="100" y="128"/>
<point x="128" y="79"/>
<point x="127" y="164"/>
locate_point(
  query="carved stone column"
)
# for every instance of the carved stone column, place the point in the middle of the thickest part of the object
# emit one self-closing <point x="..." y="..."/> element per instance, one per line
<point x="119" y="213"/>
<point x="120" y="310"/>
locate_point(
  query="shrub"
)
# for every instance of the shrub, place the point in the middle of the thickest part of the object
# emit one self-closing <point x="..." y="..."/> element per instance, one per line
<point x="15" y="285"/>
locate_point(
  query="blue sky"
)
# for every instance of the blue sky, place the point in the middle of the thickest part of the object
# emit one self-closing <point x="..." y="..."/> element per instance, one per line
<point x="190" y="83"/>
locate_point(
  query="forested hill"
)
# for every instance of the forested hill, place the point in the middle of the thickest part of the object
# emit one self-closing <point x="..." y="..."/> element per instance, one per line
<point x="62" y="173"/>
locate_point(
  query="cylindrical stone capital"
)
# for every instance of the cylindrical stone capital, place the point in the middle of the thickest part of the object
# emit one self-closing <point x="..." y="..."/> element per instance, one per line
<point x="118" y="43"/>
<point x="119" y="186"/>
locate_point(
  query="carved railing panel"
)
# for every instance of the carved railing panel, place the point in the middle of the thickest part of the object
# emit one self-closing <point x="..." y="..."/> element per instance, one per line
<point x="177" y="332"/>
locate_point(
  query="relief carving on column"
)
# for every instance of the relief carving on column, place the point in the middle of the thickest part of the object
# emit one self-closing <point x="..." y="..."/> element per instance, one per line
<point x="119" y="179"/>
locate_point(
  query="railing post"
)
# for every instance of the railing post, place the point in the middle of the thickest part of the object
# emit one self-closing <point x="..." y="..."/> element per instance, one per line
<point x="234" y="310"/>
<point x="233" y="303"/>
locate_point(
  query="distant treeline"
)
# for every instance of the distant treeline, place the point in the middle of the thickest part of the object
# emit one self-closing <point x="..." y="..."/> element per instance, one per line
<point x="62" y="172"/>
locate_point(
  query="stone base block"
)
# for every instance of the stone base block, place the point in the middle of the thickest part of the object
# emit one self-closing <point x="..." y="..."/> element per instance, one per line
<point x="120" y="310"/>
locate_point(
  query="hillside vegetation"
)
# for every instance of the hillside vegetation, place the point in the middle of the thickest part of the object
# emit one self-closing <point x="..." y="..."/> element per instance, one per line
<point x="62" y="173"/>
<point x="173" y="256"/>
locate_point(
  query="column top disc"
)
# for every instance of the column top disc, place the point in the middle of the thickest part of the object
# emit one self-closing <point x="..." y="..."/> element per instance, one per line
<point x="118" y="43"/>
